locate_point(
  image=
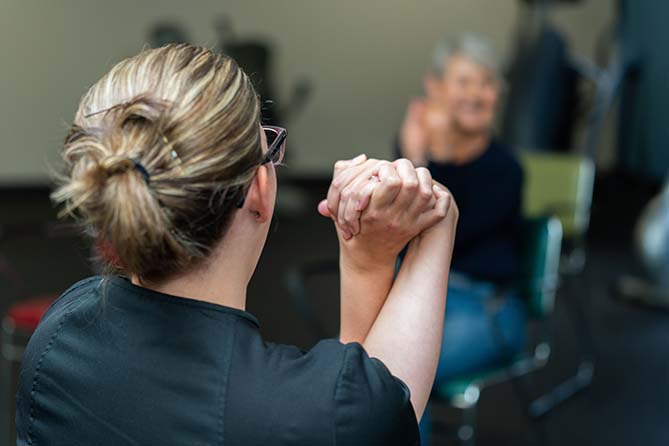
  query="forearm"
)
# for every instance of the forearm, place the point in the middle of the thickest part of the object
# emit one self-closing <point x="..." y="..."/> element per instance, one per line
<point x="407" y="333"/>
<point x="364" y="289"/>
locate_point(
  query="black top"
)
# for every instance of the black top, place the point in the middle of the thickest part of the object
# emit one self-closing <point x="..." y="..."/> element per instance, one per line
<point x="112" y="363"/>
<point x="488" y="191"/>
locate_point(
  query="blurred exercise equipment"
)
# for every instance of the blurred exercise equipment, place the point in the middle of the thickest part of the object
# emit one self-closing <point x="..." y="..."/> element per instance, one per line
<point x="652" y="237"/>
<point x="256" y="57"/>
<point x="165" y="33"/>
<point x="547" y="102"/>
<point x="652" y="245"/>
<point x="643" y="131"/>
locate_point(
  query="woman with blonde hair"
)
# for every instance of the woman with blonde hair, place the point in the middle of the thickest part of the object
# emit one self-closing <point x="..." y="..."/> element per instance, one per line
<point x="168" y="163"/>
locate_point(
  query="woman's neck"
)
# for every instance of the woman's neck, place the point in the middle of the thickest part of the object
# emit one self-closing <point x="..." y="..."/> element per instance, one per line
<point x="218" y="292"/>
<point x="219" y="280"/>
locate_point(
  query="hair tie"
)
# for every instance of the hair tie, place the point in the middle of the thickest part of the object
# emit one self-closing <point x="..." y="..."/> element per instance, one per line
<point x="143" y="171"/>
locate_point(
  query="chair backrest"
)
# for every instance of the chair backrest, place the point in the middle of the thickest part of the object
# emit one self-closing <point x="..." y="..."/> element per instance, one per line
<point x="542" y="241"/>
<point x="559" y="184"/>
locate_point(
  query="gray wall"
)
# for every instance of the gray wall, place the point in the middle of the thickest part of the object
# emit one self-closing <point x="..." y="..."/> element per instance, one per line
<point x="366" y="59"/>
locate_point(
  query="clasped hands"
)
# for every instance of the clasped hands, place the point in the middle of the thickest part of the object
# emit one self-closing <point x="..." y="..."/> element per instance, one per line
<point x="380" y="206"/>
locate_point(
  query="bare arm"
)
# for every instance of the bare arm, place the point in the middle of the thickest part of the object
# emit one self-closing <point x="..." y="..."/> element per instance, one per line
<point x="363" y="293"/>
<point x="367" y="260"/>
<point x="407" y="333"/>
<point x="374" y="275"/>
<point x="404" y="330"/>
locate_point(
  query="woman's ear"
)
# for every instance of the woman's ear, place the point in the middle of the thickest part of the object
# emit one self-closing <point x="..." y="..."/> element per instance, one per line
<point x="258" y="199"/>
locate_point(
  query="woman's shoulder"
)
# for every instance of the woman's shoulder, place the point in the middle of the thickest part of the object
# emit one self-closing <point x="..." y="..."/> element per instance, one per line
<point x="41" y="343"/>
<point x="63" y="305"/>
<point x="54" y="318"/>
<point x="365" y="402"/>
<point x="371" y="405"/>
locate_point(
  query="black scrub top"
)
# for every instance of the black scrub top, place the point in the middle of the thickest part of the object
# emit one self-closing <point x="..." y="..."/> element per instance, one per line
<point x="112" y="363"/>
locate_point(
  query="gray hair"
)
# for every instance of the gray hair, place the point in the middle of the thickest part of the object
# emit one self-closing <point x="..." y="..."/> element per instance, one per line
<point x="472" y="46"/>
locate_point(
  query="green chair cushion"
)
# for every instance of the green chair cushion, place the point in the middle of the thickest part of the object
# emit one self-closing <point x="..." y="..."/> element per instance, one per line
<point x="559" y="184"/>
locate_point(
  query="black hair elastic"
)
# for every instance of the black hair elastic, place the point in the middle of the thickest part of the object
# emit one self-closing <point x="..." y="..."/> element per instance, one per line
<point x="143" y="171"/>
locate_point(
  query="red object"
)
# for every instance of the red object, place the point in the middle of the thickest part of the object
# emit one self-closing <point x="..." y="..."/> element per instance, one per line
<point x="106" y="252"/>
<point x="27" y="314"/>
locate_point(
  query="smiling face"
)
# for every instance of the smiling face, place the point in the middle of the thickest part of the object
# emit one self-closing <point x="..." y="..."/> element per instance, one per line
<point x="469" y="91"/>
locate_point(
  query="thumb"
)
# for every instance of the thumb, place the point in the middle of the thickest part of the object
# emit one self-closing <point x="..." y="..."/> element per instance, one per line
<point x="323" y="209"/>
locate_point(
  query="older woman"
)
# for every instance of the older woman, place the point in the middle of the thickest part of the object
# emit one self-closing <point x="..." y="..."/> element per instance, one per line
<point x="168" y="163"/>
<point x="450" y="132"/>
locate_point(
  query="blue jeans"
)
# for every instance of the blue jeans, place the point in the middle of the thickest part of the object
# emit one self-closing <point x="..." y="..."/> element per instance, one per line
<point x="478" y="332"/>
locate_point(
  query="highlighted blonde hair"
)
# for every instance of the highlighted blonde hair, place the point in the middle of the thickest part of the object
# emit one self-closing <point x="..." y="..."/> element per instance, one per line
<point x="161" y="150"/>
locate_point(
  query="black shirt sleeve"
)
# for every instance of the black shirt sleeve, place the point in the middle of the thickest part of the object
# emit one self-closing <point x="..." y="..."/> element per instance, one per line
<point x="371" y="405"/>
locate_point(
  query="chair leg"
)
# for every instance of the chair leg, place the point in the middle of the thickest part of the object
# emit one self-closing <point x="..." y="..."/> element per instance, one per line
<point x="577" y="315"/>
<point x="545" y="403"/>
<point x="524" y="387"/>
<point x="467" y="430"/>
<point x="580" y="316"/>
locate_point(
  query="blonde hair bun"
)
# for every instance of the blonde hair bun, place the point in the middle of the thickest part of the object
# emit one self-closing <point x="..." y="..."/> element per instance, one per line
<point x="160" y="150"/>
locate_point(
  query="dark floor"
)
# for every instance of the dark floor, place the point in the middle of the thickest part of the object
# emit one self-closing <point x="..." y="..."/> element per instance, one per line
<point x="626" y="404"/>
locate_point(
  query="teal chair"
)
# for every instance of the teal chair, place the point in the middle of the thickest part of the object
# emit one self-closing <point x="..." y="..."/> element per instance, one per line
<point x="561" y="184"/>
<point x="542" y="239"/>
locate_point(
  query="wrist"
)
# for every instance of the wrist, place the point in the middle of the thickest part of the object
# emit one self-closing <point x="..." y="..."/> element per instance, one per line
<point x="357" y="263"/>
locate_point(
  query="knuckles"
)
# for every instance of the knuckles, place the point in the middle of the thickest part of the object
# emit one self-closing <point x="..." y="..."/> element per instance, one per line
<point x="337" y="183"/>
<point x="425" y="194"/>
<point x="339" y="165"/>
<point x="410" y="185"/>
<point x="391" y="183"/>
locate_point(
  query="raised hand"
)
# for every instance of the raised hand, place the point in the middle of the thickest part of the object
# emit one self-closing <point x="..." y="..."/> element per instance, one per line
<point x="379" y="206"/>
<point x="414" y="136"/>
<point x="438" y="127"/>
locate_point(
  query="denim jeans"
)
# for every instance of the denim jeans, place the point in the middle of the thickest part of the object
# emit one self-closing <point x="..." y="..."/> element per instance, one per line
<point x="479" y="331"/>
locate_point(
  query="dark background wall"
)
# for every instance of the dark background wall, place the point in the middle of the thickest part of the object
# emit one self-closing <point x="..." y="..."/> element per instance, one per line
<point x="644" y="110"/>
